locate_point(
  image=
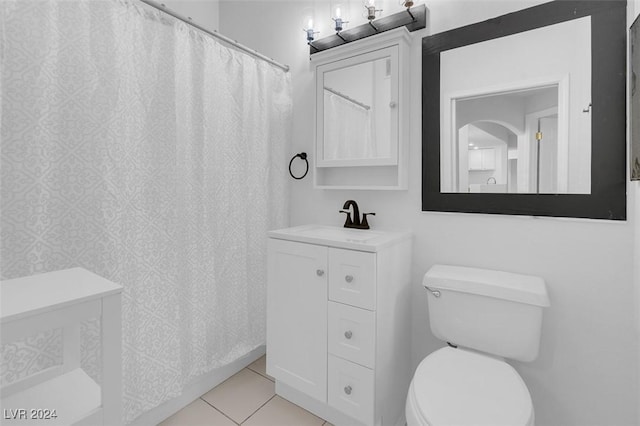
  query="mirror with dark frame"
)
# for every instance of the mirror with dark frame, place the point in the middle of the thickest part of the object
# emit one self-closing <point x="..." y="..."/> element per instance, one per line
<point x="541" y="137"/>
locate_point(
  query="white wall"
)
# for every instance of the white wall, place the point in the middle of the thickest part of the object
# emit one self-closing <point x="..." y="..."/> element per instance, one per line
<point x="202" y="12"/>
<point x="587" y="372"/>
<point x="635" y="195"/>
<point x="634" y="191"/>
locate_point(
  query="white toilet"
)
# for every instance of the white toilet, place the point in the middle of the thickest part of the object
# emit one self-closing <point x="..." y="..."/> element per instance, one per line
<point x="484" y="316"/>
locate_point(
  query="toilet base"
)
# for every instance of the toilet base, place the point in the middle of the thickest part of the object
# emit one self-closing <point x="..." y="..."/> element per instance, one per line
<point x="411" y="410"/>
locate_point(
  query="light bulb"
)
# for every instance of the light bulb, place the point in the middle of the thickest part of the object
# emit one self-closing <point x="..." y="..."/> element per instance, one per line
<point x="306" y="18"/>
<point x="370" y="10"/>
<point x="338" y="18"/>
<point x="307" y="21"/>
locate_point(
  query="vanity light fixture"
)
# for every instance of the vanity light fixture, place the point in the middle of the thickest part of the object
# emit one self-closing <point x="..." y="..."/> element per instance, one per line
<point x="370" y="6"/>
<point x="309" y="30"/>
<point x="339" y="20"/>
<point x="408" y="4"/>
<point x="414" y="20"/>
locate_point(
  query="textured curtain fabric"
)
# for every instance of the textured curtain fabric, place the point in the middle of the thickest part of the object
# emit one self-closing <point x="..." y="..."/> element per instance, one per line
<point x="347" y="129"/>
<point x="153" y="155"/>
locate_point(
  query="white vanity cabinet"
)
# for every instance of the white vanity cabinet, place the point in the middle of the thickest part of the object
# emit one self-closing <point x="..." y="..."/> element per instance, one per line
<point x="338" y="322"/>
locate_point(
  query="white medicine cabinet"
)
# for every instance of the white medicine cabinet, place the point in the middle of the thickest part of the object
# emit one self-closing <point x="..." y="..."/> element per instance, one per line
<point x="362" y="114"/>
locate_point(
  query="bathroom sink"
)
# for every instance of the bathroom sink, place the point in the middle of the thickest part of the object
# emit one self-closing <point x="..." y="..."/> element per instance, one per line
<point x="334" y="236"/>
<point x="341" y="234"/>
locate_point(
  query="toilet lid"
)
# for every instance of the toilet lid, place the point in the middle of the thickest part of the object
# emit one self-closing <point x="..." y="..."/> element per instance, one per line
<point x="460" y="387"/>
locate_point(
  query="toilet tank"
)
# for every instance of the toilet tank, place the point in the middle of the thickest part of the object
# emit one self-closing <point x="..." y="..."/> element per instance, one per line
<point x="499" y="313"/>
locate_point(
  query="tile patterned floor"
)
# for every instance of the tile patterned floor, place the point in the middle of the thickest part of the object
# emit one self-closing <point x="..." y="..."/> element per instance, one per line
<point x="248" y="398"/>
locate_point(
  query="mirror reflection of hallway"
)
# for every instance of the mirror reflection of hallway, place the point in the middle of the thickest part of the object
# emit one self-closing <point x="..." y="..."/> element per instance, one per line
<point x="511" y="142"/>
<point x="548" y="81"/>
<point x="484" y="147"/>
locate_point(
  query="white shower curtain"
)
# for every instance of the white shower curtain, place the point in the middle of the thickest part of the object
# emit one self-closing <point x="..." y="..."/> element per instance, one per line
<point x="348" y="130"/>
<point x="153" y="155"/>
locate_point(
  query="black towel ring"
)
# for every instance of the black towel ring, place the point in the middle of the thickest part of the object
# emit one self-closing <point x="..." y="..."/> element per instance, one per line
<point x="302" y="155"/>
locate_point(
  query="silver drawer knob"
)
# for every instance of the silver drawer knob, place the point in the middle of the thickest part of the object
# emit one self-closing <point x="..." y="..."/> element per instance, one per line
<point x="348" y="278"/>
<point x="347" y="390"/>
<point x="348" y="334"/>
<point x="319" y="272"/>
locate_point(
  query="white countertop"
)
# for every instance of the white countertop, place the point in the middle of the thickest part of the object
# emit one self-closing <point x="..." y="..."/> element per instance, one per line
<point x="371" y="240"/>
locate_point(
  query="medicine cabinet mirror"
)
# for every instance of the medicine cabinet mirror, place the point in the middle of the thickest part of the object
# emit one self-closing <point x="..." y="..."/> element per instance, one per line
<point x="359" y="110"/>
<point x="525" y="113"/>
<point x="361" y="121"/>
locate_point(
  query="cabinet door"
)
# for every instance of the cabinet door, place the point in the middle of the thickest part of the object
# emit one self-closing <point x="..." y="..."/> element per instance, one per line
<point x="475" y="159"/>
<point x="488" y="158"/>
<point x="297" y="316"/>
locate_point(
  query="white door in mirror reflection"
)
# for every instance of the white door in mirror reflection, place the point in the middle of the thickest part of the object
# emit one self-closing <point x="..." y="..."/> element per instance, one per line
<point x="514" y="113"/>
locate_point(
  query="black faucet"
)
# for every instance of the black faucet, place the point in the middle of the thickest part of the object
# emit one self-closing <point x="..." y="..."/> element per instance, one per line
<point x="354" y="222"/>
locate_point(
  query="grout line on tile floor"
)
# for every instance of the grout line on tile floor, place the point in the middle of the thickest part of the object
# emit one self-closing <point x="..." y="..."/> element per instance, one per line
<point x="211" y="405"/>
<point x="252" y="414"/>
<point x="263" y="375"/>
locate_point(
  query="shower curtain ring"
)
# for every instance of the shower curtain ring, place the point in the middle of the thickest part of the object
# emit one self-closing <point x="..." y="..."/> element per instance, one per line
<point x="302" y="155"/>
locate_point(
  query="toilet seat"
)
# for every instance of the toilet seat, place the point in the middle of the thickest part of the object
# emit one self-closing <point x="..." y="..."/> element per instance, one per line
<point x="461" y="387"/>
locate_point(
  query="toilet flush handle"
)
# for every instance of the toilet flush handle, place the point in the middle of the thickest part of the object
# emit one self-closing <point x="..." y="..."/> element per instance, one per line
<point x="436" y="293"/>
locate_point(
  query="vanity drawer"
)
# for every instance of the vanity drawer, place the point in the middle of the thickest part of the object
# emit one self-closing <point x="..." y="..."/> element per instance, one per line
<point x="352" y="333"/>
<point x="352" y="278"/>
<point x="350" y="389"/>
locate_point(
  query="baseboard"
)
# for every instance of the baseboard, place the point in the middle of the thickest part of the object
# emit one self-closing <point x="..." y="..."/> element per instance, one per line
<point x="196" y="389"/>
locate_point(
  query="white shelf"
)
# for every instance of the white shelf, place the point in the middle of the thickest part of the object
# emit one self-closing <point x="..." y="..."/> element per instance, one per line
<point x="27" y="296"/>
<point x="63" y="299"/>
<point x="72" y="395"/>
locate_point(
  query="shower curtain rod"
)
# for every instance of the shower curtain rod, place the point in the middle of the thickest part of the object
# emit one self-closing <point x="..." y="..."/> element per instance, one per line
<point x="161" y="7"/>
<point x="343" y="96"/>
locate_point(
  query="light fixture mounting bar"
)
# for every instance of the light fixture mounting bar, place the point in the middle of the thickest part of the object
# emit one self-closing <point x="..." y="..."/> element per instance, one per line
<point x="413" y="19"/>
